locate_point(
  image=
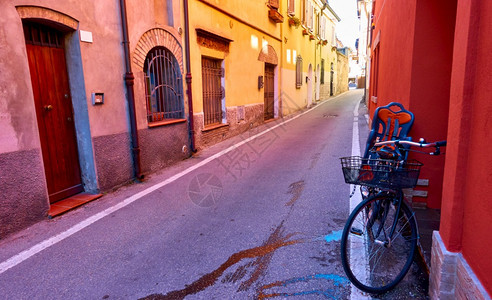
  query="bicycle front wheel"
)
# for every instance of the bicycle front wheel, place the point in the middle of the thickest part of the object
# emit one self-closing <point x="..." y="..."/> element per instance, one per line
<point x="375" y="260"/>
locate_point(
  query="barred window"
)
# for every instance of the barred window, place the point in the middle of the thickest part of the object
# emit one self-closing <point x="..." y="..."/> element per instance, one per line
<point x="298" y="71"/>
<point x="163" y="86"/>
<point x="213" y="92"/>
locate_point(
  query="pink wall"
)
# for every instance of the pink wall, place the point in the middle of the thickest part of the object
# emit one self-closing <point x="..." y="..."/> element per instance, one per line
<point x="467" y="209"/>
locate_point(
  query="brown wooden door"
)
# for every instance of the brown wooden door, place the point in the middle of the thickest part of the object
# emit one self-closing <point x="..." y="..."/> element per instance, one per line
<point x="54" y="112"/>
<point x="269" y="91"/>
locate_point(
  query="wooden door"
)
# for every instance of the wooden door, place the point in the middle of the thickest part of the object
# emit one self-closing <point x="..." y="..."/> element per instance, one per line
<point x="54" y="111"/>
<point x="269" y="91"/>
<point x="331" y="80"/>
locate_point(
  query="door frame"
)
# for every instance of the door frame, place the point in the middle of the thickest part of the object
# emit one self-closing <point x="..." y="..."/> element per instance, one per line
<point x="273" y="68"/>
<point x="69" y="27"/>
<point x="310" y="86"/>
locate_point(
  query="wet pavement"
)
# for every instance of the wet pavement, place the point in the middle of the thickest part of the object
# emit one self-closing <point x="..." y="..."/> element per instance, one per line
<point x="258" y="216"/>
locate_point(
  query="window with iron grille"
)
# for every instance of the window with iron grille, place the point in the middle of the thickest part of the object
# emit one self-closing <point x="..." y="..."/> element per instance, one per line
<point x="298" y="71"/>
<point x="212" y="74"/>
<point x="163" y="86"/>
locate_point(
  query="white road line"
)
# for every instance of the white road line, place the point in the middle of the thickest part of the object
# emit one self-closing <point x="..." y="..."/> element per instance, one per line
<point x="24" y="255"/>
<point x="356" y="246"/>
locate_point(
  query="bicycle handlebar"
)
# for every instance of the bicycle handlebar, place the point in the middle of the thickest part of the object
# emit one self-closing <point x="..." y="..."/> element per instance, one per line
<point x="416" y="144"/>
<point x="420" y="144"/>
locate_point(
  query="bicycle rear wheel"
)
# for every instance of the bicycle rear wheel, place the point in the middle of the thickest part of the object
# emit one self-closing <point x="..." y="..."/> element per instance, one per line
<point x="373" y="261"/>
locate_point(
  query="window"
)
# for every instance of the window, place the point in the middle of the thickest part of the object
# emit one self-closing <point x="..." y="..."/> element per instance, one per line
<point x="164" y="86"/>
<point x="299" y="72"/>
<point x="274" y="4"/>
<point x="212" y="91"/>
<point x="40" y="35"/>
<point x="304" y="12"/>
<point x="308" y="14"/>
<point x="374" y="75"/>
<point x="322" y="75"/>
<point x="333" y="37"/>
<point x="322" y="28"/>
<point x="291" y="7"/>
<point x="310" y="24"/>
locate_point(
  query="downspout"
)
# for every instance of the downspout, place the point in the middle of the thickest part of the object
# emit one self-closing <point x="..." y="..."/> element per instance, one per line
<point x="129" y="82"/>
<point x="280" y="70"/>
<point x="189" y="93"/>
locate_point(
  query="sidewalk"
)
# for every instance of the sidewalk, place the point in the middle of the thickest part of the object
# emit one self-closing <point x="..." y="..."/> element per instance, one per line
<point x="428" y="220"/>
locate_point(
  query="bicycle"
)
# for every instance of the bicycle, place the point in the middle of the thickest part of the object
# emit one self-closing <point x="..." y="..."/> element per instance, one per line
<point x="379" y="240"/>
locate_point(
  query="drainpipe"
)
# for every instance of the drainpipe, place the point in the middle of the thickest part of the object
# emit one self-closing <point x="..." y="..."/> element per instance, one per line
<point x="129" y="82"/>
<point x="188" y="78"/>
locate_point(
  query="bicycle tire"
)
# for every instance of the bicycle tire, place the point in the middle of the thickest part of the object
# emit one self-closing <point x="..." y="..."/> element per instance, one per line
<point x="371" y="263"/>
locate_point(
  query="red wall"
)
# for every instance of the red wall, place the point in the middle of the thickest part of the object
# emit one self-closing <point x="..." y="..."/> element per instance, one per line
<point x="415" y="56"/>
<point x="434" y="58"/>
<point x="394" y="23"/>
<point x="467" y="203"/>
<point x="430" y="85"/>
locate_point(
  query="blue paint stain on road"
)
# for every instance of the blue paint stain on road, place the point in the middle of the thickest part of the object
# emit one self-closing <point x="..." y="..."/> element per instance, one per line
<point x="333" y="236"/>
<point x="327" y="293"/>
<point x="337" y="279"/>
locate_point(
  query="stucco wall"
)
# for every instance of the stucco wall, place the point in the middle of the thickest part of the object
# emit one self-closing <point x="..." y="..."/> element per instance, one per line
<point x="467" y="208"/>
<point x="414" y="69"/>
<point x="342" y="73"/>
<point x="95" y="66"/>
<point x="24" y="198"/>
<point x="395" y="52"/>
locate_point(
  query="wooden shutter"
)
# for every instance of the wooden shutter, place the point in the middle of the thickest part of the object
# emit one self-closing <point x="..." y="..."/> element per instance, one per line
<point x="291" y="8"/>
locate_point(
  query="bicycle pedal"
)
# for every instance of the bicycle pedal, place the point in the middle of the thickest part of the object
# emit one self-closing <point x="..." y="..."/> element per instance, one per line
<point x="356" y="231"/>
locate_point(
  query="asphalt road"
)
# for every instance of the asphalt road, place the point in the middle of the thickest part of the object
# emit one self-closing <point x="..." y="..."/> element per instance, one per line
<point x="250" y="218"/>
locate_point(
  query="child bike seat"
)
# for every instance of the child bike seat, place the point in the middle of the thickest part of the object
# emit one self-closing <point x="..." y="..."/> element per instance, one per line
<point x="390" y="122"/>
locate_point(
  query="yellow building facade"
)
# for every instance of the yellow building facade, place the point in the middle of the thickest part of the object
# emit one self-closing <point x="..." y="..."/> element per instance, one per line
<point x="255" y="61"/>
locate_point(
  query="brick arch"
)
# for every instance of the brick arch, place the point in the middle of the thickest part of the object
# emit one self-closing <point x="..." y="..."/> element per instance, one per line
<point x="268" y="55"/>
<point x="153" y="38"/>
<point x="63" y="21"/>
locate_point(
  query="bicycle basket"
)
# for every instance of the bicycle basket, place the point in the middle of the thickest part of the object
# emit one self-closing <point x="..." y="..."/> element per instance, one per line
<point x="380" y="173"/>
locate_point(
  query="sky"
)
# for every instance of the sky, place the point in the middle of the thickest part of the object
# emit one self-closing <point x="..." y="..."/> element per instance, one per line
<point x="348" y="28"/>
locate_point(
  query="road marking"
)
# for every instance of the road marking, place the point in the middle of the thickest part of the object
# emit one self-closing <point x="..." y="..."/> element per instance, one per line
<point x="24" y="255"/>
<point x="356" y="250"/>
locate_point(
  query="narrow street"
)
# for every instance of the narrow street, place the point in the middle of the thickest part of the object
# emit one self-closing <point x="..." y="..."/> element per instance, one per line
<point x="250" y="218"/>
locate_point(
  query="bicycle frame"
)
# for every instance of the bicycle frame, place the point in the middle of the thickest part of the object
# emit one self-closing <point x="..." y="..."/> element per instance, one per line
<point x="398" y="196"/>
<point x="398" y="193"/>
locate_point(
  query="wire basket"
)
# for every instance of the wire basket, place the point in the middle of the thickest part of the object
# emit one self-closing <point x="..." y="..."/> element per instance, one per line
<point x="381" y="173"/>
